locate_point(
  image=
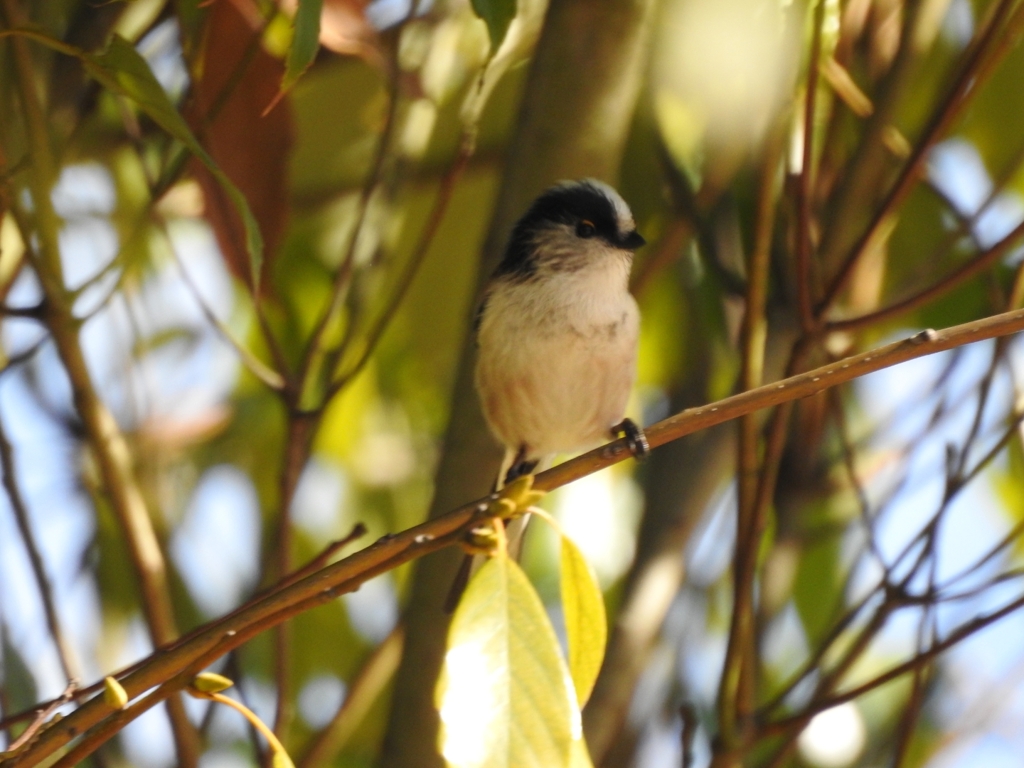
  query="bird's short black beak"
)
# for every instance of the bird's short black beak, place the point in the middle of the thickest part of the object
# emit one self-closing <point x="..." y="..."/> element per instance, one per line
<point x="632" y="241"/>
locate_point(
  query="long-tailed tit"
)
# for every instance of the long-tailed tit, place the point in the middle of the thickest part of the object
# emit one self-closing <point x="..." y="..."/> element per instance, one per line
<point x="557" y="330"/>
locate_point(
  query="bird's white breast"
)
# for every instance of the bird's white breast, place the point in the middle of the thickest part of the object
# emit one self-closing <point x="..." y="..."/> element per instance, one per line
<point x="557" y="357"/>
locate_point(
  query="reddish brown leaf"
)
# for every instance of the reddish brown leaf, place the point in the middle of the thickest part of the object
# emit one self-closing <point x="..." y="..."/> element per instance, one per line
<point x="237" y="79"/>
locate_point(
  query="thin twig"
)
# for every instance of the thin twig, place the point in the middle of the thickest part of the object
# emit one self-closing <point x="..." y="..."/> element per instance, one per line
<point x="301" y="430"/>
<point x="318" y="562"/>
<point x="978" y="64"/>
<point x="690" y="723"/>
<point x="68" y="660"/>
<point x="306" y="570"/>
<point x="343" y="275"/>
<point x="812" y="663"/>
<point x="114" y="723"/>
<point x="850" y="464"/>
<point x="940" y="288"/>
<point x="263" y="372"/>
<point x="298" y="445"/>
<point x="922" y="659"/>
<point x="302" y="424"/>
<point x="30" y="313"/>
<point x="895" y="597"/>
<point x="737" y="686"/>
<point x="834" y="675"/>
<point x="991" y="454"/>
<point x="1011" y="536"/>
<point x="437" y="213"/>
<point x="109" y="446"/>
<point x="42" y="716"/>
<point x="373" y="677"/>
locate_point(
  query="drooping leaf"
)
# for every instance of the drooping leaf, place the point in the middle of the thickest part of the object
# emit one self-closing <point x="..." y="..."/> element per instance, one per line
<point x="504" y="693"/>
<point x="123" y="71"/>
<point x="497" y="15"/>
<point x="305" y="41"/>
<point x="580" y="757"/>
<point x="586" y="626"/>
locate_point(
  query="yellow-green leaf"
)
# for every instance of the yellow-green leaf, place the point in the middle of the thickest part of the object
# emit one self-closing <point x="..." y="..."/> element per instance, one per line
<point x="504" y="693"/>
<point x="586" y="627"/>
<point x="580" y="755"/>
<point x="305" y="41"/>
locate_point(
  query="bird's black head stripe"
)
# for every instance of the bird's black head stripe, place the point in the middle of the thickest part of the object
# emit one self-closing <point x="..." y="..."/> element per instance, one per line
<point x="565" y="204"/>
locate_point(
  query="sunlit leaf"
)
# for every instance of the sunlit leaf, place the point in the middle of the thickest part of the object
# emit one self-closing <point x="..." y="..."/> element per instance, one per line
<point x="497" y="15"/>
<point x="305" y="42"/>
<point x="586" y="626"/>
<point x="580" y="757"/>
<point x="504" y="693"/>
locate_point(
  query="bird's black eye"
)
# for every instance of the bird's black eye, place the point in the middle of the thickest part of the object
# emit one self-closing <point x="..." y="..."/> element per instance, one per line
<point x="586" y="229"/>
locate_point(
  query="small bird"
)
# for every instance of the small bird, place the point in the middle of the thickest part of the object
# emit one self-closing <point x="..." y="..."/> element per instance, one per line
<point x="557" y="331"/>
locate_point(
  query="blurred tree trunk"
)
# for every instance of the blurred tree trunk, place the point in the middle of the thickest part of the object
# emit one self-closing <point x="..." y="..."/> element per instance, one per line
<point x="574" y="119"/>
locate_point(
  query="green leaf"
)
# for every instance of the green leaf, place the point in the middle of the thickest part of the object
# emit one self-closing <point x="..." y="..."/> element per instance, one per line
<point x="17" y="680"/>
<point x="504" y="693"/>
<point x="305" y="41"/>
<point x="497" y="15"/>
<point x="586" y="626"/>
<point x="818" y="588"/>
<point x="123" y="71"/>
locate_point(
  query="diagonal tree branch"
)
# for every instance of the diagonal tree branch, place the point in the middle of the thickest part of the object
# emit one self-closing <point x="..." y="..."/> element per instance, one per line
<point x="173" y="667"/>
